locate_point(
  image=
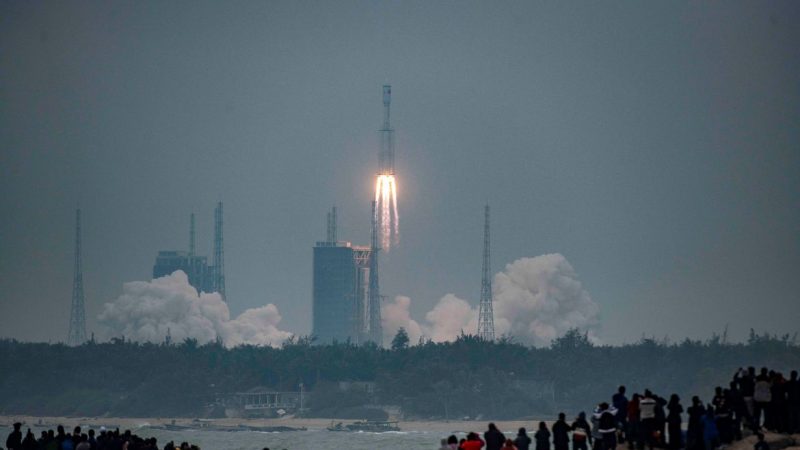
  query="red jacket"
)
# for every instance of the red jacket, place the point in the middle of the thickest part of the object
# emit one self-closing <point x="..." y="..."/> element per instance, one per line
<point x="472" y="445"/>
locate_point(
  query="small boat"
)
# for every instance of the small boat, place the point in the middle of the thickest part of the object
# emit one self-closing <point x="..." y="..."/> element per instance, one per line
<point x="373" y="426"/>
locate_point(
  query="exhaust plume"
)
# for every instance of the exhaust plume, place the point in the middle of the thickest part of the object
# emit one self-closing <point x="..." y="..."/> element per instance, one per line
<point x="146" y="310"/>
<point x="535" y="301"/>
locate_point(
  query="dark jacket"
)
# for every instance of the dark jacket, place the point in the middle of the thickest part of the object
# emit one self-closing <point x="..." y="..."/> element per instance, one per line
<point x="523" y="442"/>
<point x="494" y="439"/>
<point x="560" y="433"/>
<point x="542" y="439"/>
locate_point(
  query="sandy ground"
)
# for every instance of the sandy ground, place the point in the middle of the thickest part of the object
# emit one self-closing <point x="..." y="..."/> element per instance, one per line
<point x="137" y="422"/>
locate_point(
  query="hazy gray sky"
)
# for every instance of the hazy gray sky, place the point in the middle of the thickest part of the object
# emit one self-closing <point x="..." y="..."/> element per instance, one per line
<point x="656" y="145"/>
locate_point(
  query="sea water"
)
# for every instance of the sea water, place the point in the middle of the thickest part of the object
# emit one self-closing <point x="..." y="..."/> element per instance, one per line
<point x="295" y="440"/>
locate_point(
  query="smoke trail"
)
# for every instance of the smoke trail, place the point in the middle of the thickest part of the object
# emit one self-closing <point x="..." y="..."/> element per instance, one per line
<point x="535" y="300"/>
<point x="148" y="310"/>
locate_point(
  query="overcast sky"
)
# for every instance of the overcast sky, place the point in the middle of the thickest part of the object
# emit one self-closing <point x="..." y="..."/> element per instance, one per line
<point x="656" y="145"/>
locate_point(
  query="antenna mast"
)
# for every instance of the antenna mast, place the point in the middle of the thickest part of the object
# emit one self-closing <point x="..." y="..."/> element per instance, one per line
<point x="485" y="314"/>
<point x="77" y="319"/>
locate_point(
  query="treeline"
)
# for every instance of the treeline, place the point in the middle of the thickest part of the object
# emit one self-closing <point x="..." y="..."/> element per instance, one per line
<point x="465" y="378"/>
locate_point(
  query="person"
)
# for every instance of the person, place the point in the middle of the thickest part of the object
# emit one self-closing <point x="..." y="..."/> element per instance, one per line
<point x="647" y="422"/>
<point x="581" y="432"/>
<point x="452" y="441"/>
<point x="762" y="396"/>
<point x="760" y="444"/>
<point x="620" y="402"/>
<point x="660" y="434"/>
<point x="522" y="441"/>
<point x="29" y="443"/>
<point x="444" y="445"/>
<point x="793" y="401"/>
<point x="542" y="437"/>
<point x="83" y="443"/>
<point x="67" y="443"/>
<point x="777" y="407"/>
<point x="509" y="445"/>
<point x="597" y="437"/>
<point x="561" y="433"/>
<point x="14" y="439"/>
<point x="710" y="433"/>
<point x="494" y="438"/>
<point x="694" y="432"/>
<point x="607" y="426"/>
<point x="745" y="381"/>
<point x="674" y="422"/>
<point x="473" y="442"/>
<point x="632" y="433"/>
<point x="738" y="409"/>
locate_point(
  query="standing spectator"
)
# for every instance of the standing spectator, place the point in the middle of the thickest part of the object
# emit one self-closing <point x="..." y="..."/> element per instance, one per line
<point x="738" y="410"/>
<point x="542" y="437"/>
<point x="494" y="438"/>
<point x="523" y="441"/>
<point x="633" y="433"/>
<point x="746" y="380"/>
<point x="694" y="432"/>
<point x="647" y="414"/>
<point x="607" y="424"/>
<point x="660" y="436"/>
<point x="674" y="422"/>
<point x="29" y="443"/>
<point x="777" y="405"/>
<point x="793" y="400"/>
<point x="561" y="433"/>
<point x="762" y="395"/>
<point x="620" y="402"/>
<point x="710" y="434"/>
<point x="14" y="439"/>
<point x="473" y="442"/>
<point x="581" y="432"/>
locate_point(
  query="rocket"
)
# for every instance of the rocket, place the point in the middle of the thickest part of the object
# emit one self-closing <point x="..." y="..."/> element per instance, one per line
<point x="386" y="153"/>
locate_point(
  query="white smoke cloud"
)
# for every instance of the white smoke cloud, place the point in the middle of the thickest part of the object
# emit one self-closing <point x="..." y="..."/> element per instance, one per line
<point x="396" y="315"/>
<point x="535" y="300"/>
<point x="146" y="310"/>
<point x="449" y="318"/>
<point x="538" y="299"/>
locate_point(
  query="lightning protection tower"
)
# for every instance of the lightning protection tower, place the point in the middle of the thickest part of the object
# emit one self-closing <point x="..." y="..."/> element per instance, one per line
<point x="375" y="327"/>
<point x="219" y="254"/>
<point x="485" y="313"/>
<point x="77" y="318"/>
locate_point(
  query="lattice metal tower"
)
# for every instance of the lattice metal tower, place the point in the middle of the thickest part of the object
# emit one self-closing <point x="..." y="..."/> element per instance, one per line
<point x="331" y="233"/>
<point x="485" y="314"/>
<point x="219" y="254"/>
<point x="375" y="327"/>
<point x="191" y="235"/>
<point x="77" y="317"/>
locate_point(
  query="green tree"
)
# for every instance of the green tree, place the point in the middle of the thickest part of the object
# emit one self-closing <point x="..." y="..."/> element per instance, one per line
<point x="400" y="340"/>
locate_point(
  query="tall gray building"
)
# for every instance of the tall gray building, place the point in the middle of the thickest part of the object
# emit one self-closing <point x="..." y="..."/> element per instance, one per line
<point x="202" y="276"/>
<point x="340" y="289"/>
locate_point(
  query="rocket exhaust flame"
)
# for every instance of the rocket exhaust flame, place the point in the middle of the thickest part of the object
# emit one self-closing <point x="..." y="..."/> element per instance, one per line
<point x="385" y="183"/>
<point x="386" y="201"/>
